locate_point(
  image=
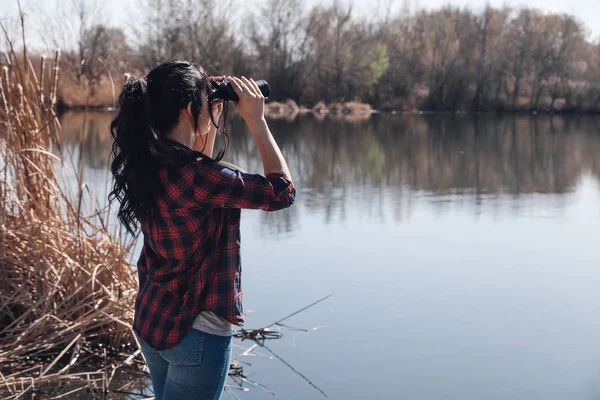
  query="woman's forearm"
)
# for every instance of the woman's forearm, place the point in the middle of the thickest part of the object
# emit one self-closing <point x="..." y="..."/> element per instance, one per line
<point x="273" y="161"/>
<point x="251" y="107"/>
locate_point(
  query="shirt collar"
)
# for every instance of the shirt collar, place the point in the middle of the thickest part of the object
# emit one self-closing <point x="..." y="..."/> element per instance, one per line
<point x="174" y="145"/>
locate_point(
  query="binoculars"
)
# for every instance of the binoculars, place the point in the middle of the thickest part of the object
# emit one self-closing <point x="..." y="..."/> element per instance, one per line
<point x="222" y="90"/>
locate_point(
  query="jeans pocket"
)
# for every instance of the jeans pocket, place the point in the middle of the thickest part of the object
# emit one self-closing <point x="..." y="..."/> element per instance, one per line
<point x="187" y="352"/>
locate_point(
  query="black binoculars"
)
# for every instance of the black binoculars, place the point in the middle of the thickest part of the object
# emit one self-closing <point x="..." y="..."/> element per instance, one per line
<point x="222" y="90"/>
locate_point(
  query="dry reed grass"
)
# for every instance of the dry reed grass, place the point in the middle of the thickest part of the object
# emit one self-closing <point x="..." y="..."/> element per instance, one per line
<point x="348" y="111"/>
<point x="350" y="107"/>
<point x="287" y="111"/>
<point x="67" y="283"/>
<point x="73" y="93"/>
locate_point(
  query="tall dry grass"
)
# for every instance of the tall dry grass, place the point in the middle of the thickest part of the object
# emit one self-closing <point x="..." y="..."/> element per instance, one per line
<point x="66" y="280"/>
<point x="74" y="94"/>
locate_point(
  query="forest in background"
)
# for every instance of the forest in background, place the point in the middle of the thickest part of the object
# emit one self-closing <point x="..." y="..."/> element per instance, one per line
<point x="449" y="59"/>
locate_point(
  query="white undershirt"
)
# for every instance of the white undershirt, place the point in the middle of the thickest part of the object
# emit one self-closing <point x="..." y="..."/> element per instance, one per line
<point x="209" y="322"/>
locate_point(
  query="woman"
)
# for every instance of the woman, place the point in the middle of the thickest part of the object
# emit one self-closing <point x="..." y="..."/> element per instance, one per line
<point x="188" y="205"/>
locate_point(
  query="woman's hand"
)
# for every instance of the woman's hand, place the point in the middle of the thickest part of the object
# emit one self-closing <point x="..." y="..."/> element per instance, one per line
<point x="251" y="105"/>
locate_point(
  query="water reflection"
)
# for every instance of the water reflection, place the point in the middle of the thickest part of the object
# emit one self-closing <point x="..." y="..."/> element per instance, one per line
<point x="363" y="165"/>
<point x="513" y="294"/>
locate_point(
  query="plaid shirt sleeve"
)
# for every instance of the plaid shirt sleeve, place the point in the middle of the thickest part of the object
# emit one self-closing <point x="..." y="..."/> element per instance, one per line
<point x="218" y="186"/>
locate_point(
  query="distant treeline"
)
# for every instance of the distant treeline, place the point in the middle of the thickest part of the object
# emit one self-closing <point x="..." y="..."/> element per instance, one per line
<point x="441" y="60"/>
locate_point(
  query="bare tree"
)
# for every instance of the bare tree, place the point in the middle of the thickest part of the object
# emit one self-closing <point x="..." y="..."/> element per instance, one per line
<point x="482" y="23"/>
<point x="282" y="42"/>
<point x="521" y="39"/>
<point x="341" y="18"/>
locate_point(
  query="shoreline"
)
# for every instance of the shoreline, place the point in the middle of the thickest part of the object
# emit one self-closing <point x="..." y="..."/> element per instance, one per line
<point x="303" y="111"/>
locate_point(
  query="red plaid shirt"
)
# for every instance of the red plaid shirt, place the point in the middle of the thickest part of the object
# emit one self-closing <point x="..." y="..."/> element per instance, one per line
<point x="190" y="260"/>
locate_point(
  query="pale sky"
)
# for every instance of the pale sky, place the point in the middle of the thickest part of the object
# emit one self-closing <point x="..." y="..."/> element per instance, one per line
<point x="119" y="12"/>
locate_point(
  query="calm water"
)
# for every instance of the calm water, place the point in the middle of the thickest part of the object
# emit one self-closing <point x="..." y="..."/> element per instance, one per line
<point x="461" y="251"/>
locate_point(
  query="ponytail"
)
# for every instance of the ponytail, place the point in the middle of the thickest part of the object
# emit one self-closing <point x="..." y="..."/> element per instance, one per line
<point x="134" y="142"/>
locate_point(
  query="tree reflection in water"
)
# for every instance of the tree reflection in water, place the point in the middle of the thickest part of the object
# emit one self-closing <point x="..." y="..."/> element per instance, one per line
<point x="341" y="167"/>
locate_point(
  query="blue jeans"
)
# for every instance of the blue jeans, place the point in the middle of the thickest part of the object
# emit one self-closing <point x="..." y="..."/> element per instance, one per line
<point x="194" y="369"/>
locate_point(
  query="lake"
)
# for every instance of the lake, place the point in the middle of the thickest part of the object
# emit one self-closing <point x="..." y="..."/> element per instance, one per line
<point x="461" y="251"/>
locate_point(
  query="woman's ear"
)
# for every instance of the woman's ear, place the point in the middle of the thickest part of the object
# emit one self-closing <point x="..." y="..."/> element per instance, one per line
<point x="188" y="109"/>
<point x="190" y="115"/>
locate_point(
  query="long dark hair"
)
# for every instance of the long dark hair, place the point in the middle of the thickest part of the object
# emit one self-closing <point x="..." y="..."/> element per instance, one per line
<point x="149" y="108"/>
